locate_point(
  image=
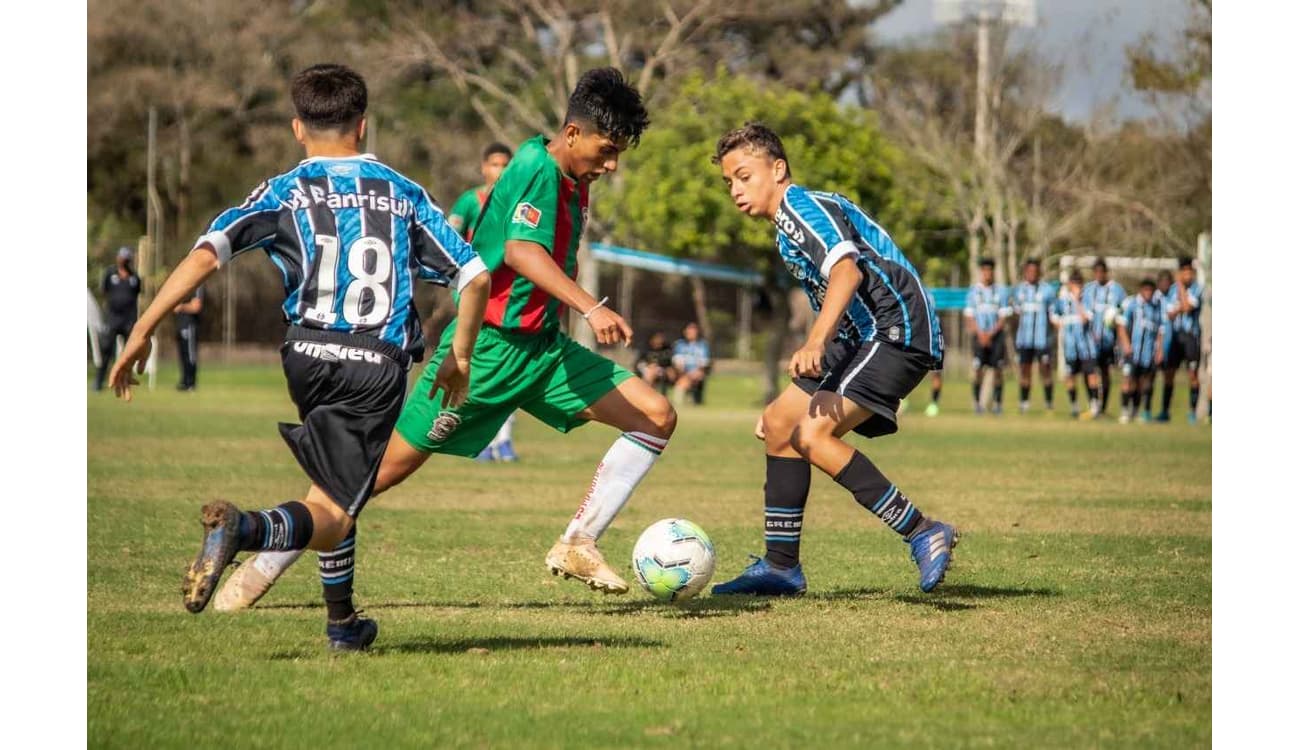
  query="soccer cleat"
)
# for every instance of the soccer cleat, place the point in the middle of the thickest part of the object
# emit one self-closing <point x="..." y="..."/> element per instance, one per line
<point x="997" y="409"/>
<point x="353" y="634"/>
<point x="932" y="553"/>
<point x="243" y="588"/>
<point x="979" y="408"/>
<point x="932" y="410"/>
<point x="220" y="543"/>
<point x="1024" y="407"/>
<point x="506" y="452"/>
<point x="1146" y="416"/>
<point x="582" y="560"/>
<point x="1162" y="417"/>
<point x="1191" y="417"/>
<point x="1124" y="417"/>
<point x="487" y="455"/>
<point x="761" y="578"/>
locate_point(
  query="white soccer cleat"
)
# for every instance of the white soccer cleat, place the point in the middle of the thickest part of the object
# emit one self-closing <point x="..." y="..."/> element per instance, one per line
<point x="582" y="560"/>
<point x="242" y="588"/>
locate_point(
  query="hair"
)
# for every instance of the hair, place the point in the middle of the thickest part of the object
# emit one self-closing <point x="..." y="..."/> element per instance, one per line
<point x="1148" y="281"/>
<point x="987" y="263"/>
<point x="754" y="136"/>
<point x="1184" y="262"/>
<point x="1100" y="263"/>
<point x="329" y="97"/>
<point x="1165" y="274"/>
<point x="605" y="99"/>
<point x="497" y="148"/>
<point x="1033" y="262"/>
<point x="1076" y="276"/>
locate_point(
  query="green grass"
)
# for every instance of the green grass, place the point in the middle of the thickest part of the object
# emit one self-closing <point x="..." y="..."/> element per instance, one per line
<point x="1078" y="612"/>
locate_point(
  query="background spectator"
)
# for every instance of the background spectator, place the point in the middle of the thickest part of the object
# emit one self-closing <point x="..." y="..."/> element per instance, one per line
<point x="187" y="339"/>
<point x="691" y="358"/>
<point x="121" y="288"/>
<point x="655" y="363"/>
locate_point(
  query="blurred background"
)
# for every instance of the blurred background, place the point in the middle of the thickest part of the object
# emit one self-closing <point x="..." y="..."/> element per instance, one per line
<point x="968" y="128"/>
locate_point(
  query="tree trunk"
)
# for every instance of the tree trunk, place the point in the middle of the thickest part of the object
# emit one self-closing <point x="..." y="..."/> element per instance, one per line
<point x="777" y="325"/>
<point x="701" y="308"/>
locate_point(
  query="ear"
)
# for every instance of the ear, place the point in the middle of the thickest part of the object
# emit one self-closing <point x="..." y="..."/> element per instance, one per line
<point x="570" y="133"/>
<point x="780" y="170"/>
<point x="299" y="131"/>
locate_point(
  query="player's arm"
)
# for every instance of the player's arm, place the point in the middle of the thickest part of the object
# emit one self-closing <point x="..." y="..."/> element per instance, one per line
<point x="532" y="261"/>
<point x="845" y="278"/>
<point x="1004" y="312"/>
<point x="1121" y="333"/>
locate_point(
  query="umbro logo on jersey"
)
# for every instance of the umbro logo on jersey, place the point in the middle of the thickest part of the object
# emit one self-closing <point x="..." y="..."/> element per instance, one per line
<point x="336" y="353"/>
<point x="527" y="213"/>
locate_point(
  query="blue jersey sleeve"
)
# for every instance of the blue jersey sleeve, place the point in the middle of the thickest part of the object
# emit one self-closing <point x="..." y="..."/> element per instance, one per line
<point x="440" y="253"/>
<point x="817" y="226"/>
<point x="249" y="225"/>
<point x="1004" y="302"/>
<point x="971" y="303"/>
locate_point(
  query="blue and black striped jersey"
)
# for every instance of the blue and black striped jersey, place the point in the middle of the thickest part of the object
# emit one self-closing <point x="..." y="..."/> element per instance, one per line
<point x="1145" y="321"/>
<point x="1098" y="298"/>
<point x="350" y="236"/>
<point x="1032" y="304"/>
<point x="987" y="305"/>
<point x="817" y="229"/>
<point x="1186" y="322"/>
<point x="1074" y="319"/>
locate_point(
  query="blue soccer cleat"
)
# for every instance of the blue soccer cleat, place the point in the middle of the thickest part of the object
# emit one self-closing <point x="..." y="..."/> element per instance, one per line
<point x="1191" y="417"/>
<point x="506" y="452"/>
<point x="487" y="456"/>
<point x="1146" y="416"/>
<point x="762" y="579"/>
<point x="932" y="552"/>
<point x="220" y="543"/>
<point x="353" y="634"/>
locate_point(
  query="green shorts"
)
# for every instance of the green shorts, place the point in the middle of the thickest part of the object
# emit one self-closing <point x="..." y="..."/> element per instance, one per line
<point x="548" y="375"/>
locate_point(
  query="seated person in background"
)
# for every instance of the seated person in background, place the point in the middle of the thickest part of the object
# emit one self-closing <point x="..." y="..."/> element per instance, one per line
<point x="655" y="363"/>
<point x="691" y="358"/>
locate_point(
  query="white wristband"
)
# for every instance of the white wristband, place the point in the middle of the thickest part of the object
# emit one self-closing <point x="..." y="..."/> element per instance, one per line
<point x="598" y="305"/>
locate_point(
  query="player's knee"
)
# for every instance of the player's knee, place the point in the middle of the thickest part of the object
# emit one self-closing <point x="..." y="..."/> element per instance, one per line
<point x="662" y="416"/>
<point x="808" y="433"/>
<point x="777" y="425"/>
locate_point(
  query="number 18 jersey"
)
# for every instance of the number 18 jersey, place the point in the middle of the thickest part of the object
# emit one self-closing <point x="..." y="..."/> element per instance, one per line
<point x="350" y="236"/>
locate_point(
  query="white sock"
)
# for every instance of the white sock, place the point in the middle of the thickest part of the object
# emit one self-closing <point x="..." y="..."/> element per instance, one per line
<point x="506" y="433"/>
<point x="622" y="469"/>
<point x="273" y="564"/>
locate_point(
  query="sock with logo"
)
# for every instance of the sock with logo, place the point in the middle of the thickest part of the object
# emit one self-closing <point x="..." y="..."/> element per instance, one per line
<point x="336" y="569"/>
<point x="875" y="493"/>
<point x="626" y="463"/>
<point x="785" y="493"/>
<point x="284" y="527"/>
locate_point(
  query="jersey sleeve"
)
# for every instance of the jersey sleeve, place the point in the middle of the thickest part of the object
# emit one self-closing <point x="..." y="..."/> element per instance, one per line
<point x="1004" y="303"/>
<point x="818" y="226"/>
<point x="971" y="303"/>
<point x="531" y="216"/>
<point x="461" y="211"/>
<point x="1127" y="310"/>
<point x="441" y="255"/>
<point x="250" y="225"/>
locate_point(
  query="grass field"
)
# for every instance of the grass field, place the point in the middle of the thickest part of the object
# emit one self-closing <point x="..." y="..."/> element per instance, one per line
<point x="1078" y="612"/>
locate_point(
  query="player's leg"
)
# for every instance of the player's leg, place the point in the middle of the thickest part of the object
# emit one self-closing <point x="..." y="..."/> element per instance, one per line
<point x="1092" y="378"/>
<point x="936" y="387"/>
<point x="978" y="360"/>
<point x="1047" y="377"/>
<point x="1104" y="357"/>
<point x="999" y="363"/>
<point x="1072" y="386"/>
<point x="1192" y="347"/>
<point x="1128" y="391"/>
<point x="1025" y="363"/>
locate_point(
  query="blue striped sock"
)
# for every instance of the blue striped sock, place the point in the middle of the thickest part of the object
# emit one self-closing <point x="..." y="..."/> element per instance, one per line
<point x="336" y="571"/>
<point x="784" y="495"/>
<point x="877" y="494"/>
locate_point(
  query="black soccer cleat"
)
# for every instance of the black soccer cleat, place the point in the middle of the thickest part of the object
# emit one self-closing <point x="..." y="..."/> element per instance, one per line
<point x="220" y="543"/>
<point x="353" y="634"/>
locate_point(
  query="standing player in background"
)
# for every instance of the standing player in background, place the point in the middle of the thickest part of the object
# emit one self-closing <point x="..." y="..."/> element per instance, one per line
<point x="463" y="218"/>
<point x="1102" y="296"/>
<point x="1032" y="300"/>
<point x="987" y="309"/>
<point x="528" y="238"/>
<point x="350" y="237"/>
<point x="1183" y="308"/>
<point x="1073" y="320"/>
<point x="121" y="288"/>
<point x="1140" y="329"/>
<point x="936" y="377"/>
<point x="874" y="339"/>
<point x="187" y="339"/>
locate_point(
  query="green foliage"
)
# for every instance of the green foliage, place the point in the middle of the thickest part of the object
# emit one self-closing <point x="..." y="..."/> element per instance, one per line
<point x="672" y="199"/>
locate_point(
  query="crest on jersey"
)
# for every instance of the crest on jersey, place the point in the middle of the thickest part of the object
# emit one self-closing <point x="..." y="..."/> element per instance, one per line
<point x="528" y="214"/>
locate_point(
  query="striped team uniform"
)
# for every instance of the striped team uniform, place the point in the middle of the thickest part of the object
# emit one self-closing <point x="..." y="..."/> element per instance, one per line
<point x="1032" y="304"/>
<point x="1076" y="335"/>
<point x="1185" y="348"/>
<point x="1099" y="298"/>
<point x="350" y="236"/>
<point x="1145" y="322"/>
<point x="987" y="305"/>
<point x="889" y="336"/>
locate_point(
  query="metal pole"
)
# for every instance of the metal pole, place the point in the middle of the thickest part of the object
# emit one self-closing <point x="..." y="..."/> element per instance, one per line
<point x="745" y="316"/>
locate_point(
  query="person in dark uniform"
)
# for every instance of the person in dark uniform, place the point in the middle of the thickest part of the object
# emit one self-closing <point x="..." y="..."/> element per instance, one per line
<point x="121" y="288"/>
<point x="187" y="339"/>
<point x="655" y="363"/>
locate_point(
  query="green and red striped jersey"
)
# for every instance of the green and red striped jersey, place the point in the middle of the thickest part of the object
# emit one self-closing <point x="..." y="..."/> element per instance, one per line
<point x="536" y="202"/>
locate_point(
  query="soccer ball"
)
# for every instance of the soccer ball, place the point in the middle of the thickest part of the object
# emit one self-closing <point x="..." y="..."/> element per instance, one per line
<point x="1108" y="317"/>
<point x="673" y="559"/>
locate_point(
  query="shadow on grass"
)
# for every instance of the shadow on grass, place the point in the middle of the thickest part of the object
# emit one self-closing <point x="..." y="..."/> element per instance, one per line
<point x="694" y="608"/>
<point x="945" y="599"/>
<point x="480" y="646"/>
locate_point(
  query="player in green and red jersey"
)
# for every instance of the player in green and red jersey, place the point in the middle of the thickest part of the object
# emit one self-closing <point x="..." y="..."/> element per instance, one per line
<point x="467" y="208"/>
<point x="528" y="239"/>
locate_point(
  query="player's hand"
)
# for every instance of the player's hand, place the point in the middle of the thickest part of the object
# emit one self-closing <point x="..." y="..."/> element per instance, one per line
<point x="609" y="327"/>
<point x="453" y="379"/>
<point x="807" y="362"/>
<point x="134" y="356"/>
<point x="759" y="432"/>
<point x="1128" y="350"/>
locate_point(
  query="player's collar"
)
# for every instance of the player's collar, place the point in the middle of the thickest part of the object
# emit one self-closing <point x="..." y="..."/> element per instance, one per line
<point x="311" y="159"/>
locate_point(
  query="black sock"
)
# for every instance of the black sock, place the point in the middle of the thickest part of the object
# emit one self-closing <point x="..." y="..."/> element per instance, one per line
<point x="785" y="493"/>
<point x="1074" y="397"/>
<point x="875" y="493"/>
<point x="284" y="527"/>
<point x="997" y="394"/>
<point x="1024" y="393"/>
<point x="1105" y="388"/>
<point x="1194" y="397"/>
<point x="1146" y="398"/>
<point x="975" y="390"/>
<point x="934" y="395"/>
<point x="1047" y="394"/>
<point x="1092" y="394"/>
<point x="336" y="576"/>
<point x="1166" y="397"/>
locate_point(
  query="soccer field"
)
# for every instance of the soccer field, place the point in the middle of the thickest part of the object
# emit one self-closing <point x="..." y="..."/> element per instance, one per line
<point x="1077" y="613"/>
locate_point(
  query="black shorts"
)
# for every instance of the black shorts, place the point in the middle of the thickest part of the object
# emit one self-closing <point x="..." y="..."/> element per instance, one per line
<point x="1077" y="366"/>
<point x="993" y="355"/>
<point x="875" y="376"/>
<point x="349" y="391"/>
<point x="1105" y="356"/>
<point x="1184" y="351"/>
<point x="1029" y="355"/>
<point x="1133" y="369"/>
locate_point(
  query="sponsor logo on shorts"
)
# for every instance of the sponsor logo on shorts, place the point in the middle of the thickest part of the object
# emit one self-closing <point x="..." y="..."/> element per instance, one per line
<point x="527" y="213"/>
<point x="336" y="352"/>
<point x="444" y="425"/>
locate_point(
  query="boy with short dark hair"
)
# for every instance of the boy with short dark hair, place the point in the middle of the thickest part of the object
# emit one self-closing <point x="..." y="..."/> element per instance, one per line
<point x="875" y="338"/>
<point x="1103" y="296"/>
<point x="350" y="237"/>
<point x="1183" y="307"/>
<point x="1032" y="300"/>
